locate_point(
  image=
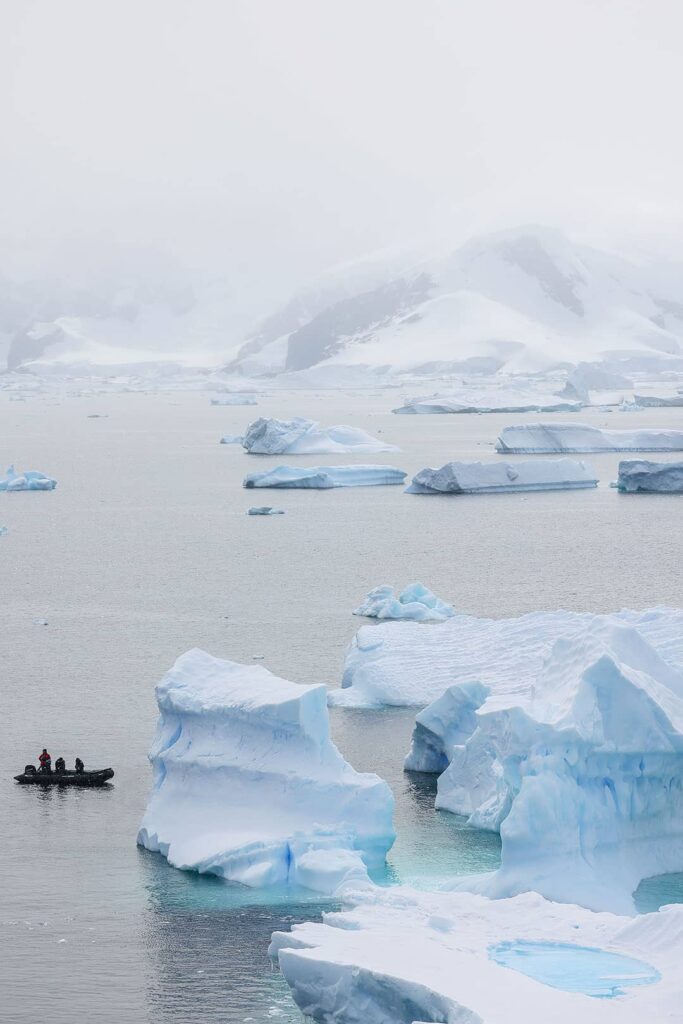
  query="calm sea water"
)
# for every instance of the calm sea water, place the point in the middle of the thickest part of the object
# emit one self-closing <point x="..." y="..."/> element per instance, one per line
<point x="143" y="551"/>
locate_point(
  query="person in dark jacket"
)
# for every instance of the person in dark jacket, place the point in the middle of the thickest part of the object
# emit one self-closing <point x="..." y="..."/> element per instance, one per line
<point x="45" y="761"/>
<point x="79" y="765"/>
<point x="60" y="765"/>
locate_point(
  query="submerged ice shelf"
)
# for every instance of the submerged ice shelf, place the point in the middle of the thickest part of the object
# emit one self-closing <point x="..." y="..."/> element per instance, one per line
<point x="300" y="436"/>
<point x="579" y="767"/>
<point x="504" y="477"/>
<point x="652" y="477"/>
<point x="547" y="438"/>
<point x="414" y="602"/>
<point x="249" y="786"/>
<point x="399" y="956"/>
<point x="325" y="477"/>
<point x="27" y="481"/>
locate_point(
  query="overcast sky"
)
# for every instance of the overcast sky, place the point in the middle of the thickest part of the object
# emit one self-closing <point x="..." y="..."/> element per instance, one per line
<point x="277" y="137"/>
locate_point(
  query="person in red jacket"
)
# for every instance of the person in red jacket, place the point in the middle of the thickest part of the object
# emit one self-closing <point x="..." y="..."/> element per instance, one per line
<point x="45" y="761"/>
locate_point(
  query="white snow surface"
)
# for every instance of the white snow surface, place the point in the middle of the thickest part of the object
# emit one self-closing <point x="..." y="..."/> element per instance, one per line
<point x="546" y="438"/>
<point x="414" y="602"/>
<point x="249" y="786"/>
<point x="503" y="477"/>
<point x="640" y="475"/>
<point x="26" y="481"/>
<point x="579" y="767"/>
<point x="325" y="477"/>
<point x="300" y="436"/>
<point x="399" y="956"/>
<point x="493" y="400"/>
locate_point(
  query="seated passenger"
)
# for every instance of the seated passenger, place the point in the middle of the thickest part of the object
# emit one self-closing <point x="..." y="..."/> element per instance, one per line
<point x="60" y="765"/>
<point x="79" y="765"/>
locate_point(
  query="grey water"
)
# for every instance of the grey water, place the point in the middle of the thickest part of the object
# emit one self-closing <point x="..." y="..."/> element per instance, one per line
<point x="145" y="550"/>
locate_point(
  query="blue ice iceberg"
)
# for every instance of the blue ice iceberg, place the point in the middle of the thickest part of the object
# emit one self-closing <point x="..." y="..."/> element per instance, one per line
<point x="641" y="475"/>
<point x="28" y="481"/>
<point x="265" y="510"/>
<point x="548" y="438"/>
<point x="324" y="477"/>
<point x="503" y="477"/>
<point x="300" y="436"/>
<point x="249" y="786"/>
<point x="415" y="602"/>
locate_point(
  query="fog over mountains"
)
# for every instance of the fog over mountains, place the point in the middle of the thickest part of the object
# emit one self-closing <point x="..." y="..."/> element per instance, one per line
<point x="524" y="300"/>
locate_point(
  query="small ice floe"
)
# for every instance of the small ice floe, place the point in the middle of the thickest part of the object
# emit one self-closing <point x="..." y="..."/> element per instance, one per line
<point x="28" y="481"/>
<point x="234" y="400"/>
<point x="40" y="622"/>
<point x="265" y="510"/>
<point x="3" y="531"/>
<point x="415" y="602"/>
<point x="232" y="439"/>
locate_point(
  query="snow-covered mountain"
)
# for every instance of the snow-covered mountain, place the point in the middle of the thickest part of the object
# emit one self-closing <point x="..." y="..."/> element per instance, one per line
<point x="526" y="300"/>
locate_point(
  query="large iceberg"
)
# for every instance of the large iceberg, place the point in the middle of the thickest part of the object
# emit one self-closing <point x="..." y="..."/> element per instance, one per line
<point x="306" y="437"/>
<point x="641" y="475"/>
<point x="501" y="477"/>
<point x="249" y="786"/>
<point x="414" y="602"/>
<point x="398" y="956"/>
<point x="325" y="477"/>
<point x="546" y="438"/>
<point x="401" y="664"/>
<point x="487" y="401"/>
<point x="580" y="767"/>
<point x="27" y="481"/>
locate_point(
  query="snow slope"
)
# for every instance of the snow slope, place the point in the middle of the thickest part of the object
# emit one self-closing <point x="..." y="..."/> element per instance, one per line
<point x="399" y="956"/>
<point x="249" y="786"/>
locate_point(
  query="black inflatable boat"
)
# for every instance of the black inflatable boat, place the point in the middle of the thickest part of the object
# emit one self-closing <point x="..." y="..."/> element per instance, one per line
<point x="66" y="778"/>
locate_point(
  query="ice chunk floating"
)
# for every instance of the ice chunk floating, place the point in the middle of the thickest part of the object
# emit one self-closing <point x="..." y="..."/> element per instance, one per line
<point x="265" y="510"/>
<point x="325" y="477"/>
<point x="234" y="400"/>
<point x="595" y="972"/>
<point x="306" y="437"/>
<point x="415" y="602"/>
<point x="545" y="438"/>
<point x="28" y="481"/>
<point x="501" y="477"/>
<point x="232" y="439"/>
<point x="249" y="786"/>
<point x="396" y="956"/>
<point x="658" y="477"/>
<point x="489" y="401"/>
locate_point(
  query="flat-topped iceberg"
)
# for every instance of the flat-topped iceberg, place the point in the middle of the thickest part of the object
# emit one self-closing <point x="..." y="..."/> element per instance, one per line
<point x="27" y="481"/>
<point x="658" y="402"/>
<point x="472" y="401"/>
<point x="325" y="477"/>
<point x="397" y="956"/>
<point x="401" y="664"/>
<point x="580" y="767"/>
<point x="415" y="602"/>
<point x="234" y="400"/>
<point x="641" y="475"/>
<point x="306" y="437"/>
<point x="498" y="477"/>
<point x="249" y="786"/>
<point x="546" y="438"/>
<point x="265" y="510"/>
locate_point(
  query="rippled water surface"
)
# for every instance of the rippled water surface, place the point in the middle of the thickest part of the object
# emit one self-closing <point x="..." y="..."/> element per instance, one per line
<point x="143" y="551"/>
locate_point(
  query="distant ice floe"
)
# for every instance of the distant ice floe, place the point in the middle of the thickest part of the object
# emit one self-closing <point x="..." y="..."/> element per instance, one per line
<point x="472" y="401"/>
<point x="397" y="955"/>
<point x="232" y="439"/>
<point x="655" y="402"/>
<point x="3" y="531"/>
<point x="249" y="786"/>
<point x="325" y="477"/>
<point x="499" y="477"/>
<point x="641" y="475"/>
<point x="234" y="400"/>
<point x="306" y="437"/>
<point x="27" y="481"/>
<point x="586" y="753"/>
<point x="265" y="510"/>
<point x="415" y="602"/>
<point x="546" y="438"/>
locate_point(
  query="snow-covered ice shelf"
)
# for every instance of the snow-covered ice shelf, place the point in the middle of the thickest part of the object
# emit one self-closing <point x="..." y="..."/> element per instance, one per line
<point x="414" y="602"/>
<point x="27" y="481"/>
<point x="306" y="437"/>
<point x="641" y="475"/>
<point x="399" y="956"/>
<point x="325" y="477"/>
<point x="504" y="477"/>
<point x="547" y="438"/>
<point x="249" y="786"/>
